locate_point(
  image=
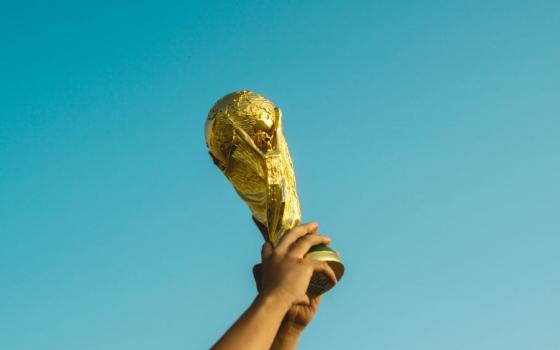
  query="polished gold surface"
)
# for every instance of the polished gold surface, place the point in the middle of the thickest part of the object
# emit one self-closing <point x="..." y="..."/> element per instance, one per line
<point x="245" y="138"/>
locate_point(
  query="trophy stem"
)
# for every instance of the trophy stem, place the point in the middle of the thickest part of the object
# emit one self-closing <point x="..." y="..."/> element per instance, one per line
<point x="245" y="139"/>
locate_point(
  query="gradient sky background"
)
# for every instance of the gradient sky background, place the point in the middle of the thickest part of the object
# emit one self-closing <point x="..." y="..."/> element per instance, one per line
<point x="425" y="139"/>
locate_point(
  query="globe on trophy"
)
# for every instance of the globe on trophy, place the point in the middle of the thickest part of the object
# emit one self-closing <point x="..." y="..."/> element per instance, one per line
<point x="246" y="142"/>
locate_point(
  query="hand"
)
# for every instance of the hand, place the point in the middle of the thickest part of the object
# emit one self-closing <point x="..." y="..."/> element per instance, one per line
<point x="299" y="315"/>
<point x="285" y="272"/>
<point x="283" y="282"/>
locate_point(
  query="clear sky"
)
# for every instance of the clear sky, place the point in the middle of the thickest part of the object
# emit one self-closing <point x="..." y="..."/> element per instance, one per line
<point x="425" y="139"/>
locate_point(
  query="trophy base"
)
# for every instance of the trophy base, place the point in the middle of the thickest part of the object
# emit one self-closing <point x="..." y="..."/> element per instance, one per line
<point x="320" y="283"/>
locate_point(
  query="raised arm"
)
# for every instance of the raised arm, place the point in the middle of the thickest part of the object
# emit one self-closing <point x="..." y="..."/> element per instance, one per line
<point x="284" y="281"/>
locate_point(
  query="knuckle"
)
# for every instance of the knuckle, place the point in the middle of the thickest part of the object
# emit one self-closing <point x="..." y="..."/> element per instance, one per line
<point x="294" y="256"/>
<point x="311" y="224"/>
<point x="311" y="238"/>
<point x="296" y="229"/>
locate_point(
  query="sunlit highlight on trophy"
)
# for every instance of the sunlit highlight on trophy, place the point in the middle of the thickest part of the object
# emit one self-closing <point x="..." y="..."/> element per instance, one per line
<point x="245" y="139"/>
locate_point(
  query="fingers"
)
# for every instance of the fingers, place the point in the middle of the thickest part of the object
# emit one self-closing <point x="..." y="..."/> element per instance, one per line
<point x="315" y="300"/>
<point x="302" y="245"/>
<point x="323" y="266"/>
<point x="266" y="251"/>
<point x="302" y="300"/>
<point x="294" y="234"/>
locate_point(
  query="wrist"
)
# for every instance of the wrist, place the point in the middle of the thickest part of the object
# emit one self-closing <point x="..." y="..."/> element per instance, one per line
<point x="278" y="297"/>
<point x="291" y="329"/>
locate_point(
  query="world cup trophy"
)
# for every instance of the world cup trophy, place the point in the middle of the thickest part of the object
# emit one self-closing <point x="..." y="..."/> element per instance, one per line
<point x="246" y="142"/>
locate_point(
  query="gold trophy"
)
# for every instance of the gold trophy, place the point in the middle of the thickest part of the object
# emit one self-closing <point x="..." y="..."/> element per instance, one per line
<point x="245" y="139"/>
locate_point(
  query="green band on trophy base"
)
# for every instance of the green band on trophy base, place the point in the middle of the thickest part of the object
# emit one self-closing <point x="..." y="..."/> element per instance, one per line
<point x="319" y="248"/>
<point x="319" y="282"/>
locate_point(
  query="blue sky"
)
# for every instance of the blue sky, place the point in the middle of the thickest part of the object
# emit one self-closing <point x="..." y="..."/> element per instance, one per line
<point x="425" y="139"/>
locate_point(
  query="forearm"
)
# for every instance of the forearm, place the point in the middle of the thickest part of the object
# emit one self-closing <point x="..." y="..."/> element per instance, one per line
<point x="287" y="337"/>
<point x="257" y="327"/>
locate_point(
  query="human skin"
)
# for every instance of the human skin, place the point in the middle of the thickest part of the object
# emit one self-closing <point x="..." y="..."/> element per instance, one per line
<point x="284" y="279"/>
<point x="297" y="318"/>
